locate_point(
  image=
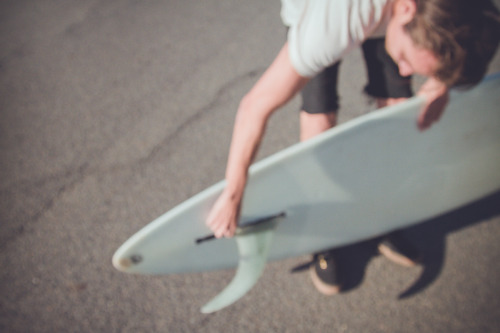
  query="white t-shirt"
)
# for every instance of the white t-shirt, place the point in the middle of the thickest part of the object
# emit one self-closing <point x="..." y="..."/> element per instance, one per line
<point x="323" y="31"/>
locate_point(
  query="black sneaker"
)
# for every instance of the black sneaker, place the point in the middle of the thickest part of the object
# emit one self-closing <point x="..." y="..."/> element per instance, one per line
<point x="324" y="273"/>
<point x="397" y="249"/>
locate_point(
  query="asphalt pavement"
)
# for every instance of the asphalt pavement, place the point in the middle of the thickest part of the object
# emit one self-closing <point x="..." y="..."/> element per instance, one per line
<point x="112" y="112"/>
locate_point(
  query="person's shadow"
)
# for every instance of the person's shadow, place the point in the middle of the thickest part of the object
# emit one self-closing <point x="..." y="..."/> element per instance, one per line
<point x="428" y="236"/>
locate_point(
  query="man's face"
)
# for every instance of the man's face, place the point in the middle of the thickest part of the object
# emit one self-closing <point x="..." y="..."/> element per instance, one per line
<point x="410" y="58"/>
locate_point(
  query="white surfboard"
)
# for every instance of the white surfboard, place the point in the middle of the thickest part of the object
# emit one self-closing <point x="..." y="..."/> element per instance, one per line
<point x="364" y="178"/>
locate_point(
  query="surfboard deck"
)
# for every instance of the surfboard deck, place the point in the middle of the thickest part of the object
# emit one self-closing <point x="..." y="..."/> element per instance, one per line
<point x="364" y="178"/>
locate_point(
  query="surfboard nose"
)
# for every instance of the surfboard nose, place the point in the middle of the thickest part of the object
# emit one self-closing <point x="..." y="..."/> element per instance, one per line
<point x="123" y="264"/>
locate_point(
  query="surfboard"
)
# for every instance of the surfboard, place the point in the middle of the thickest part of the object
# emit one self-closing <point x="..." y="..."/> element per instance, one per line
<point x="361" y="179"/>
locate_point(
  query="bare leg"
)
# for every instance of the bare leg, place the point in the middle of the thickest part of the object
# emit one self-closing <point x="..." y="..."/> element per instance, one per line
<point x="381" y="102"/>
<point x="314" y="124"/>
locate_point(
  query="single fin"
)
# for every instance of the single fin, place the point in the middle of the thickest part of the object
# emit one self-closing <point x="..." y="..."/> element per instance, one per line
<point x="253" y="247"/>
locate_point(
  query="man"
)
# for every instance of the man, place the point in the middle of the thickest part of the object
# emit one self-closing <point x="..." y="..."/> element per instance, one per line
<point x="449" y="41"/>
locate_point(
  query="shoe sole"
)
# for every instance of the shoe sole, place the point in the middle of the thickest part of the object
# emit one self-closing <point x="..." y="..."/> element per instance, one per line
<point x="322" y="287"/>
<point x="395" y="257"/>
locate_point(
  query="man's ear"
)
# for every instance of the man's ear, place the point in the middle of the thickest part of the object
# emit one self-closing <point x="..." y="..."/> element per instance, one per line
<point x="404" y="11"/>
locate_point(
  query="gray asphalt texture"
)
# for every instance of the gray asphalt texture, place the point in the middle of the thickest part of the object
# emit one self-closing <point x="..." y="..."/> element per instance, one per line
<point x="113" y="112"/>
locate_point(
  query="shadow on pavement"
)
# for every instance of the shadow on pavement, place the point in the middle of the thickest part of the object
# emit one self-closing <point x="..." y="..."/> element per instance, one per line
<point x="429" y="237"/>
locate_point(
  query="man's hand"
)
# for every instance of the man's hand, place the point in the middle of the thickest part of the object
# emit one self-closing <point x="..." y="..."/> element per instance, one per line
<point x="436" y="98"/>
<point x="223" y="217"/>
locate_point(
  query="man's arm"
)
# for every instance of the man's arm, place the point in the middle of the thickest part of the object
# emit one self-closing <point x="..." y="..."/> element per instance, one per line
<point x="436" y="98"/>
<point x="275" y="88"/>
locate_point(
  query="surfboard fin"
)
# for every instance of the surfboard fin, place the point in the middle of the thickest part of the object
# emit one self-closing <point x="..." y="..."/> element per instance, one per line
<point x="253" y="247"/>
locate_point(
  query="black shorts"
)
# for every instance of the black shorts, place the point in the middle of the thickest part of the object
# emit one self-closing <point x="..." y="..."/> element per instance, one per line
<point x="320" y="95"/>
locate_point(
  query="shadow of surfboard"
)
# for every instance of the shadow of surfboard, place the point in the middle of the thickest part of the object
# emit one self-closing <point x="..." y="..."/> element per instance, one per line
<point x="428" y="236"/>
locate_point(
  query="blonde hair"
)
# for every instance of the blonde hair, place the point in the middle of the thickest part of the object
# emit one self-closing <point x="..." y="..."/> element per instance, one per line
<point x="463" y="34"/>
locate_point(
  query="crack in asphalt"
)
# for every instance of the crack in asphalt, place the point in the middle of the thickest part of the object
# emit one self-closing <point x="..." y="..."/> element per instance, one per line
<point x="197" y="115"/>
<point x="73" y="177"/>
